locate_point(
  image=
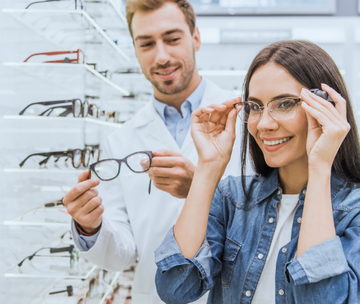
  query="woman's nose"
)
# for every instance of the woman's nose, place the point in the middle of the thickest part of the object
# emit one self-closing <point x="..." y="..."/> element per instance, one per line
<point x="266" y="122"/>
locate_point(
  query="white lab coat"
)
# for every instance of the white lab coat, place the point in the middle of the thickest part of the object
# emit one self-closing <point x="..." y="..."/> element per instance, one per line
<point x="134" y="222"/>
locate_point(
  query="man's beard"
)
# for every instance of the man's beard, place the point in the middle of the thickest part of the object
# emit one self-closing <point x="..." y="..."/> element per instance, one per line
<point x="168" y="87"/>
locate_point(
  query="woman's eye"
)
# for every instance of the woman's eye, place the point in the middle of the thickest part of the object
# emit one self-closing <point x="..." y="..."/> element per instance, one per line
<point x="286" y="104"/>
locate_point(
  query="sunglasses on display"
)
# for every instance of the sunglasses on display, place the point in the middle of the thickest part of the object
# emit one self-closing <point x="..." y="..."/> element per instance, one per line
<point x="281" y="109"/>
<point x="77" y="157"/>
<point x="73" y="254"/>
<point x="109" y="169"/>
<point x="46" y="1"/>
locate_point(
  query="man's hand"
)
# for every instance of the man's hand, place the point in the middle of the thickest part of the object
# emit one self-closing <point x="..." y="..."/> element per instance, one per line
<point x="171" y="172"/>
<point x="84" y="205"/>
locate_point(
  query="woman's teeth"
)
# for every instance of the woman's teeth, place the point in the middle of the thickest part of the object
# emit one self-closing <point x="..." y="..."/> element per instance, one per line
<point x="276" y="142"/>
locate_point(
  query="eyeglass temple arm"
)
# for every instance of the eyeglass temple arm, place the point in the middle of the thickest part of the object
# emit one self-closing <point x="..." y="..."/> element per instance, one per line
<point x="68" y="290"/>
<point x="54" y="53"/>
<point x="45" y="154"/>
<point x="30" y="257"/>
<point x="45" y="103"/>
<point x="54" y="204"/>
<point x="42" y="2"/>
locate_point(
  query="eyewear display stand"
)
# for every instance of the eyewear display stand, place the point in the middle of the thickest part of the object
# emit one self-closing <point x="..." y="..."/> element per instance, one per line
<point x="78" y="21"/>
<point x="47" y="33"/>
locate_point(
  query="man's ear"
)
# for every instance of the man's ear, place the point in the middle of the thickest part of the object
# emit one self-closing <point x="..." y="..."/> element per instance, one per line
<point x="196" y="37"/>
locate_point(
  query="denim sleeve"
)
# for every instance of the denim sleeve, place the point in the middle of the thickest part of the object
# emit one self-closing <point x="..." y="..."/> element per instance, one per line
<point x="183" y="280"/>
<point x="86" y="242"/>
<point x="331" y="269"/>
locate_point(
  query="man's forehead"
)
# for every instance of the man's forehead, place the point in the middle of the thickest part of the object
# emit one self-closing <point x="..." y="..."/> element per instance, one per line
<point x="159" y="22"/>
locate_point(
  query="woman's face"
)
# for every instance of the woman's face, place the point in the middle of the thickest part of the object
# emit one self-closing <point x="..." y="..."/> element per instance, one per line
<point x="267" y="83"/>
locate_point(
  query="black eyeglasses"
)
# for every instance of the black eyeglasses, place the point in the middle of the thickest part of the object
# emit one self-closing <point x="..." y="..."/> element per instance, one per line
<point x="109" y="169"/>
<point x="77" y="156"/>
<point x="73" y="254"/>
<point x="77" y="107"/>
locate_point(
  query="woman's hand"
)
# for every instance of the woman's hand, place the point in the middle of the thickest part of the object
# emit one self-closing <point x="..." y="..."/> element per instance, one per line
<point x="213" y="131"/>
<point x="327" y="126"/>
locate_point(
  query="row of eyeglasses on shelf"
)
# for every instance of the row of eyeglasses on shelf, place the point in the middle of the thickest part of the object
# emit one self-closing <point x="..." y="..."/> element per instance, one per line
<point x="76" y="107"/>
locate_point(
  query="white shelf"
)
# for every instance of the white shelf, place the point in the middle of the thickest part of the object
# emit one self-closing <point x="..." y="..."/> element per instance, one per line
<point x="50" y="217"/>
<point x="20" y="170"/>
<point x="76" y="20"/>
<point x="63" y="119"/>
<point x="52" y="71"/>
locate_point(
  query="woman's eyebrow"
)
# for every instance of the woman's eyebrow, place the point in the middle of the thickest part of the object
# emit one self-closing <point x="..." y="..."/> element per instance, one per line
<point x="252" y="98"/>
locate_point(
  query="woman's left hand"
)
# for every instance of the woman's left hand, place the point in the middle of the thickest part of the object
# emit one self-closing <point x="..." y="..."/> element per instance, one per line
<point x="327" y="126"/>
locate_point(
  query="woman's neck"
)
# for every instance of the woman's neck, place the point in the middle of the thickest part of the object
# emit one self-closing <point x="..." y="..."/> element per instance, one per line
<point x="293" y="178"/>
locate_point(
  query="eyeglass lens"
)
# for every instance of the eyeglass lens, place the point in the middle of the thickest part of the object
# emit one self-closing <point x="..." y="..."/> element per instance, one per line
<point x="281" y="109"/>
<point x="109" y="169"/>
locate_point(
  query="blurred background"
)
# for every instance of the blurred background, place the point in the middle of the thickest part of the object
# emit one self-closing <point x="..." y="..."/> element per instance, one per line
<point x="107" y="79"/>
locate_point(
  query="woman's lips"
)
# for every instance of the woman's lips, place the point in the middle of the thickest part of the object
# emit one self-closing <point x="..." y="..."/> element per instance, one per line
<point x="274" y="147"/>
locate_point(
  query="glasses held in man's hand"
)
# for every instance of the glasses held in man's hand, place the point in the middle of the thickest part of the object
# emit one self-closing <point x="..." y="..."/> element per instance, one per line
<point x="109" y="169"/>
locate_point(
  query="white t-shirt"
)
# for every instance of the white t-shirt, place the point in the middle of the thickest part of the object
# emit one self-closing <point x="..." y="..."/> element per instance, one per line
<point x="265" y="290"/>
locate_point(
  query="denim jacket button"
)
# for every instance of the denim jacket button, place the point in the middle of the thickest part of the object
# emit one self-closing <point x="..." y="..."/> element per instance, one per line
<point x="260" y="256"/>
<point x="304" y="191"/>
<point x="279" y="192"/>
<point x="271" y="220"/>
<point x="281" y="292"/>
<point x="284" y="250"/>
<point x="299" y="220"/>
<point x="248" y="293"/>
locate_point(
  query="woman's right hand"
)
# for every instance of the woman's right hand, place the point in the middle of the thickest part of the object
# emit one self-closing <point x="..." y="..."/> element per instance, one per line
<point x="213" y="131"/>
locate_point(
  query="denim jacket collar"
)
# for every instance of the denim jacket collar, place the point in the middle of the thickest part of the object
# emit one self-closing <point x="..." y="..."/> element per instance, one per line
<point x="271" y="184"/>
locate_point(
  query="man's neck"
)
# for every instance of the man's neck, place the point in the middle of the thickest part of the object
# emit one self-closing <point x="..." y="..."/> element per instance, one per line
<point x="176" y="100"/>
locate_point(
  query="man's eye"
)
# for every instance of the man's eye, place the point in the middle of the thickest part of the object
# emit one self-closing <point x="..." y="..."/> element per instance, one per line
<point x="145" y="44"/>
<point x="174" y="39"/>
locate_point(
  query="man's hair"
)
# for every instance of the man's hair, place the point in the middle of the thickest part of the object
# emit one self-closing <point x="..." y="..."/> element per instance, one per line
<point x="132" y="6"/>
<point x="311" y="66"/>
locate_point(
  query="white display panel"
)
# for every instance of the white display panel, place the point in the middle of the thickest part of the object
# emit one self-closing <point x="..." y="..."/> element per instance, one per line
<point x="264" y="7"/>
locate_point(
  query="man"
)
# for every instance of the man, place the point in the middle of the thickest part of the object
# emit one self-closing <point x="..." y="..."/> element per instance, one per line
<point x="135" y="222"/>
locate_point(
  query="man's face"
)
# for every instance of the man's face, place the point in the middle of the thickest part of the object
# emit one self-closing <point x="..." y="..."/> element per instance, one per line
<point x="165" y="48"/>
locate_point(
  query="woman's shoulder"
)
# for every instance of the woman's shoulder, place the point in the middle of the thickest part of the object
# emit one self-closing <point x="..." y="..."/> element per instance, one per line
<point x="345" y="196"/>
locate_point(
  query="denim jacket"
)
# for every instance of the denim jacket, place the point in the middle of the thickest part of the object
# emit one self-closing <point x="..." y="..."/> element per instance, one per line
<point x="239" y="233"/>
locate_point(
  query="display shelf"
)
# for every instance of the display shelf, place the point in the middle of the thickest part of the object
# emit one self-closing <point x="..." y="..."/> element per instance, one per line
<point x="63" y="119"/>
<point x="66" y="75"/>
<point x="20" y="170"/>
<point x="54" y="26"/>
<point x="50" y="269"/>
<point x="54" y="217"/>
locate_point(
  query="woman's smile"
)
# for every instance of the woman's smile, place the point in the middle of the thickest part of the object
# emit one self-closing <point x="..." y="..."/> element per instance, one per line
<point x="275" y="143"/>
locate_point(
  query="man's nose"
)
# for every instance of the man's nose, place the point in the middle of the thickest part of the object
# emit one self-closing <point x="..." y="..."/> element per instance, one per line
<point x="162" y="56"/>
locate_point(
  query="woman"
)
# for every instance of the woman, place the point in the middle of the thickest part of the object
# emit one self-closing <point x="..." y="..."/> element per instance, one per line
<point x="290" y="234"/>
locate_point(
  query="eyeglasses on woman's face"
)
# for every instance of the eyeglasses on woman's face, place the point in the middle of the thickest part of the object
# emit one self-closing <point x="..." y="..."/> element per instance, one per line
<point x="279" y="109"/>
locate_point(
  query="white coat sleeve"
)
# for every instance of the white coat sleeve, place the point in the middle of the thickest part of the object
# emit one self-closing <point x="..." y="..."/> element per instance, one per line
<point x="114" y="248"/>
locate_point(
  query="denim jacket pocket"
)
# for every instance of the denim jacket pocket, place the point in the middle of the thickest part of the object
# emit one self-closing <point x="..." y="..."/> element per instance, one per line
<point x="231" y="250"/>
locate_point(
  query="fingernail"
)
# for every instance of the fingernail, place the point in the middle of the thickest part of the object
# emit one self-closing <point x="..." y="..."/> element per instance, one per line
<point x="304" y="104"/>
<point x="156" y="151"/>
<point x="223" y="106"/>
<point x="325" y="85"/>
<point x="305" y="92"/>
